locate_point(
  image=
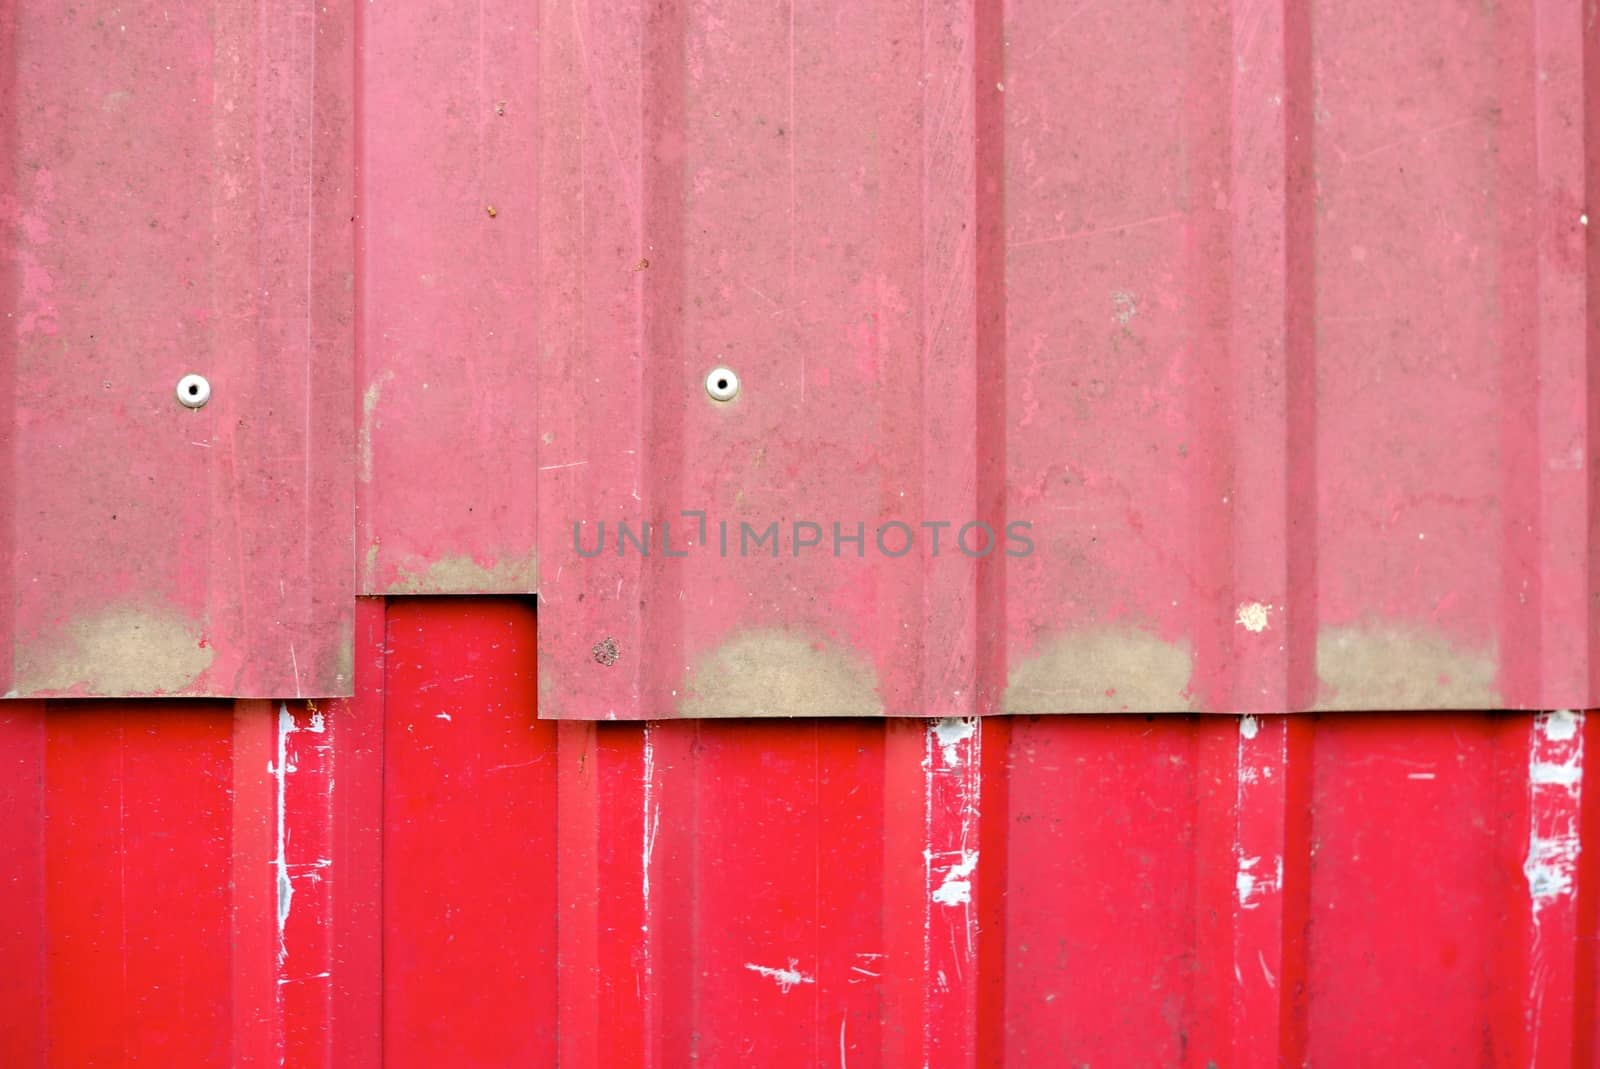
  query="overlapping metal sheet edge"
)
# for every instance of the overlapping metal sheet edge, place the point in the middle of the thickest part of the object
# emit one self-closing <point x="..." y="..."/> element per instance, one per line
<point x="427" y="874"/>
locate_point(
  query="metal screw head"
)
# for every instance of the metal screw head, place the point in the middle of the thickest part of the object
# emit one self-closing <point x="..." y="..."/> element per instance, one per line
<point x="193" y="391"/>
<point x="722" y="384"/>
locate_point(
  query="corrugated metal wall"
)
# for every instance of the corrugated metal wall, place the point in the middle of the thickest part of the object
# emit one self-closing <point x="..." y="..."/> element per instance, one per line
<point x="432" y="875"/>
<point x="1272" y="318"/>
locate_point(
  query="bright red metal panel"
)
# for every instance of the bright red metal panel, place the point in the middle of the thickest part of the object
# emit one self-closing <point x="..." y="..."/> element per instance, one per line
<point x="181" y="883"/>
<point x="469" y="865"/>
<point x="176" y="198"/>
<point x="1270" y="319"/>
<point x="449" y="103"/>
<point x="199" y="884"/>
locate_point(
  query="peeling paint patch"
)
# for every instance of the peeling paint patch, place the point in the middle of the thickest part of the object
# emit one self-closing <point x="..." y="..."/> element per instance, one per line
<point x="1252" y="881"/>
<point x="956" y="887"/>
<point x="1550" y="867"/>
<point x="1560" y="726"/>
<point x="785" y="978"/>
<point x="951" y="733"/>
<point x="1101" y="670"/>
<point x="1394" y="668"/>
<point x="463" y="575"/>
<point x="123" y="651"/>
<point x="1253" y="616"/>
<point x="779" y="673"/>
<point x="1249" y="726"/>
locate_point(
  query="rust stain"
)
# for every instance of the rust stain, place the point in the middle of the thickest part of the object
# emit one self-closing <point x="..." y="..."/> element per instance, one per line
<point x="779" y="673"/>
<point x="463" y="575"/>
<point x="1102" y="670"/>
<point x="1392" y="668"/>
<point x="123" y="650"/>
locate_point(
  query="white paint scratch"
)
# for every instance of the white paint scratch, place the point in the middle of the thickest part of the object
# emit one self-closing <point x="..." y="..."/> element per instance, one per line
<point x="1249" y="726"/>
<point x="652" y="815"/>
<point x="1555" y="788"/>
<point x="785" y="978"/>
<point x="951" y="733"/>
<point x="956" y="888"/>
<point x="843" y="1064"/>
<point x="280" y="772"/>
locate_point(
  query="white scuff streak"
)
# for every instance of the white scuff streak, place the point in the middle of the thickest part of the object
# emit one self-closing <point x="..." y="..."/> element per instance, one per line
<point x="1555" y="788"/>
<point x="786" y="978"/>
<point x="1252" y="616"/>
<point x="280" y="771"/>
<point x="951" y="733"/>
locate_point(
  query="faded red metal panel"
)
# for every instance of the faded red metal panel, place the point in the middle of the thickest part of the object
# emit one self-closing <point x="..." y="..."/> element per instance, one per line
<point x="1269" y="318"/>
<point x="449" y="101"/>
<point x="176" y="198"/>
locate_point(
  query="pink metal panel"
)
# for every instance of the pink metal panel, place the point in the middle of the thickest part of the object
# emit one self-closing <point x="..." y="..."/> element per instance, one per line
<point x="1270" y="320"/>
<point x="448" y="100"/>
<point x="175" y="197"/>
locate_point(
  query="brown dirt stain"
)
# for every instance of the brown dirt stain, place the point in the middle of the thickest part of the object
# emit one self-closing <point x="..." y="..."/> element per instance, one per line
<point x="1102" y="670"/>
<point x="463" y="575"/>
<point x="1396" y="668"/>
<point x="780" y="673"/>
<point x="121" y="652"/>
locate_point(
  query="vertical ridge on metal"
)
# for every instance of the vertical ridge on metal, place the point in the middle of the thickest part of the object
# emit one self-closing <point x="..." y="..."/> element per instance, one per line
<point x="175" y="198"/>
<point x="1269" y="319"/>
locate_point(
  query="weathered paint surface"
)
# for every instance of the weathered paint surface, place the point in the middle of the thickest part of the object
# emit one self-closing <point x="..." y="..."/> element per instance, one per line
<point x="1270" y="318"/>
<point x="448" y="99"/>
<point x="176" y="197"/>
<point x="428" y="874"/>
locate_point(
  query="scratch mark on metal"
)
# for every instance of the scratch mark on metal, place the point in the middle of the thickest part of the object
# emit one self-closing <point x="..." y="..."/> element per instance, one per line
<point x="280" y="771"/>
<point x="786" y="978"/>
<point x="1555" y="788"/>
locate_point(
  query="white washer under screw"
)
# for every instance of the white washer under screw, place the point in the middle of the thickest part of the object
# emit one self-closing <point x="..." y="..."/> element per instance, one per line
<point x="193" y="391"/>
<point x="722" y="384"/>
